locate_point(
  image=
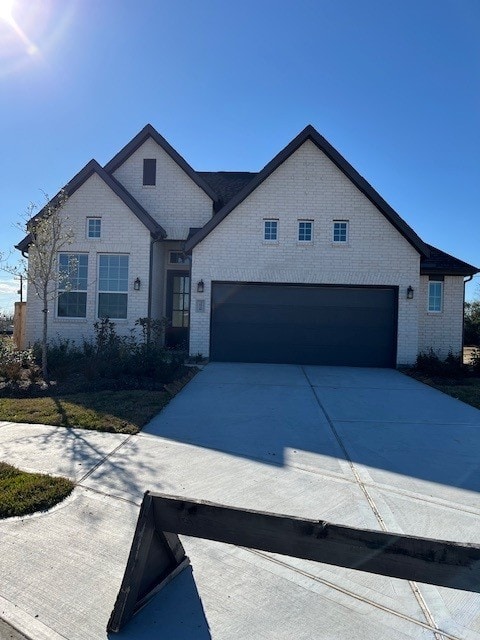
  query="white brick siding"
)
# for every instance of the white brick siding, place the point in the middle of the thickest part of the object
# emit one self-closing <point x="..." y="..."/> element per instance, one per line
<point x="176" y="202"/>
<point x="442" y="332"/>
<point x="309" y="186"/>
<point x="122" y="232"/>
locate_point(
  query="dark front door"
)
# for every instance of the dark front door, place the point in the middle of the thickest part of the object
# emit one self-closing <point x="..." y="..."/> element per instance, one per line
<point x="178" y="309"/>
<point x="326" y="325"/>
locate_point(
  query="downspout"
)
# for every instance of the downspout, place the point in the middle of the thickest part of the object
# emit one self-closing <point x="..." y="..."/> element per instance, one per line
<point x="463" y="313"/>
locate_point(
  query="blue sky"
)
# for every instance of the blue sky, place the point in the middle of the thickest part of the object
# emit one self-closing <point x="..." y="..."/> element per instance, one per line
<point x="394" y="86"/>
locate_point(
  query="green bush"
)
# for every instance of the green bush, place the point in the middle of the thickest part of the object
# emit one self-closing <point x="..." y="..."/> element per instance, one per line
<point x="13" y="362"/>
<point x="109" y="355"/>
<point x="430" y="363"/>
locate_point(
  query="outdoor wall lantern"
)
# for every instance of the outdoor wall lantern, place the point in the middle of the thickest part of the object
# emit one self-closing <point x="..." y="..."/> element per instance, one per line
<point x="409" y="293"/>
<point x="136" y="284"/>
<point x="200" y="286"/>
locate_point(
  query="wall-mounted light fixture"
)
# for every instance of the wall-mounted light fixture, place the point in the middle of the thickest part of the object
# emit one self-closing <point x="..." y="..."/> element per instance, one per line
<point x="409" y="293"/>
<point x="136" y="284"/>
<point x="200" y="286"/>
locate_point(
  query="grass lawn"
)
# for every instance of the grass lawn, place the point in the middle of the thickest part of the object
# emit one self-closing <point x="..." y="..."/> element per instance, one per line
<point x="464" y="389"/>
<point x="22" y="493"/>
<point x="114" y="411"/>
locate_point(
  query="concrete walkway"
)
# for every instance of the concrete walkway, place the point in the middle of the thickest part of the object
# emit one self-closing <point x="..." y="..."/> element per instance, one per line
<point x="363" y="447"/>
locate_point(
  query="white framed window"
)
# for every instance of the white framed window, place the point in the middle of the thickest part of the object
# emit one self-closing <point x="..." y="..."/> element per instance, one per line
<point x="305" y="231"/>
<point x="94" y="228"/>
<point x="112" y="285"/>
<point x="270" y="230"/>
<point x="340" y="231"/>
<point x="435" y="296"/>
<point x="72" y="285"/>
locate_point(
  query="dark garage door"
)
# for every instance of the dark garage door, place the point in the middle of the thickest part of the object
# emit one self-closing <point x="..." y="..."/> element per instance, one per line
<point x="327" y="325"/>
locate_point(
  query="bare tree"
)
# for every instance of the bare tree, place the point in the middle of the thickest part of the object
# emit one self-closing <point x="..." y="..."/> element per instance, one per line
<point x="48" y="234"/>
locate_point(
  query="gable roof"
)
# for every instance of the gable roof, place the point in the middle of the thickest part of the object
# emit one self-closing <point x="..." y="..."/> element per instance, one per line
<point x="309" y="133"/>
<point x="442" y="263"/>
<point x="150" y="132"/>
<point x="77" y="181"/>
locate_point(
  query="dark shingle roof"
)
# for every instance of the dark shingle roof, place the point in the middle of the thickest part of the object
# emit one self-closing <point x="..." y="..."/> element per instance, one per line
<point x="226" y="184"/>
<point x="443" y="263"/>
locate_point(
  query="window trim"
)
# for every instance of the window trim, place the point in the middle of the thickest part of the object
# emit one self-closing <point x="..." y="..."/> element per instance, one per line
<point x="270" y="240"/>
<point x="305" y="221"/>
<point x="89" y="219"/>
<point x="99" y="291"/>
<point x="61" y="289"/>
<point x="347" y="233"/>
<point x="429" y="296"/>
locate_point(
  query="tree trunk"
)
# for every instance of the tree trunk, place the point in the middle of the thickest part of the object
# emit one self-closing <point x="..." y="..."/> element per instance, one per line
<point x="44" y="339"/>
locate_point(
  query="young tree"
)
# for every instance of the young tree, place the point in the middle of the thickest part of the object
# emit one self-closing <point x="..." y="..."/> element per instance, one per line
<point x="48" y="234"/>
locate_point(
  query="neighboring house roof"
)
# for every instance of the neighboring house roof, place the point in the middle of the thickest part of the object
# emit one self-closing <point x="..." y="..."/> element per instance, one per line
<point x="226" y="184"/>
<point x="442" y="263"/>
<point x="82" y="176"/>
<point x="150" y="132"/>
<point x="309" y="133"/>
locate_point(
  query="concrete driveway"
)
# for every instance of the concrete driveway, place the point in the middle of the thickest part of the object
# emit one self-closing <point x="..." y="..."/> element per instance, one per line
<point x="364" y="447"/>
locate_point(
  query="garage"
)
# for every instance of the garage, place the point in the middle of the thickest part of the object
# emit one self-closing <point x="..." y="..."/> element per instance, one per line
<point x="304" y="324"/>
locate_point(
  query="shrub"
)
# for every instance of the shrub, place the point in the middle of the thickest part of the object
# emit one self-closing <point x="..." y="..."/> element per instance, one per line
<point x="430" y="363"/>
<point x="14" y="363"/>
<point x="475" y="362"/>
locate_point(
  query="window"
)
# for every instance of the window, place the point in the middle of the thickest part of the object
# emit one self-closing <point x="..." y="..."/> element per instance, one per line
<point x="180" y="300"/>
<point x="435" y="296"/>
<point x="72" y="285"/>
<point x="270" y="230"/>
<point x="305" y="231"/>
<point x="112" y="286"/>
<point x="178" y="257"/>
<point x="149" y="172"/>
<point x="94" y="227"/>
<point x="340" y="231"/>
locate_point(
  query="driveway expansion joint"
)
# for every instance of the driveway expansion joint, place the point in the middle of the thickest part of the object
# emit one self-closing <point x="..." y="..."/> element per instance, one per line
<point x="413" y="585"/>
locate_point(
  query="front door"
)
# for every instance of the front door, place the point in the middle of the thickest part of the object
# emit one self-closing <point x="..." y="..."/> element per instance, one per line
<point x="178" y="309"/>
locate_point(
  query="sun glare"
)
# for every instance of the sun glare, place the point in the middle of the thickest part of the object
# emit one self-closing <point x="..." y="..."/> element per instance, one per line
<point x="6" y="7"/>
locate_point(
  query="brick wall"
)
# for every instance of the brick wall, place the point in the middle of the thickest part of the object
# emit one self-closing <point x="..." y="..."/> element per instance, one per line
<point x="442" y="331"/>
<point x="307" y="186"/>
<point x="176" y="202"/>
<point x="123" y="233"/>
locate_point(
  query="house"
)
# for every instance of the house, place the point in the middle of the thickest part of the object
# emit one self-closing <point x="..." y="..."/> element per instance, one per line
<point x="303" y="262"/>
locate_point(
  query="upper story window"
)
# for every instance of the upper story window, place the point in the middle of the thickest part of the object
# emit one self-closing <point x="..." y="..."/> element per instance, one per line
<point x="94" y="227"/>
<point x="72" y="285"/>
<point x="435" y="295"/>
<point x="270" y="230"/>
<point x="112" y="286"/>
<point x="340" y="231"/>
<point x="305" y="231"/>
<point x="149" y="172"/>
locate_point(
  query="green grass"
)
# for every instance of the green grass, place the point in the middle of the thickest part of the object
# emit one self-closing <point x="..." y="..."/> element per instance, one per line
<point x="22" y="493"/>
<point x="465" y="389"/>
<point x="468" y="391"/>
<point x="114" y="411"/>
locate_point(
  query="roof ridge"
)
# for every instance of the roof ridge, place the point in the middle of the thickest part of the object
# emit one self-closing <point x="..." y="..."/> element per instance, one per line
<point x="136" y="142"/>
<point x="309" y="132"/>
